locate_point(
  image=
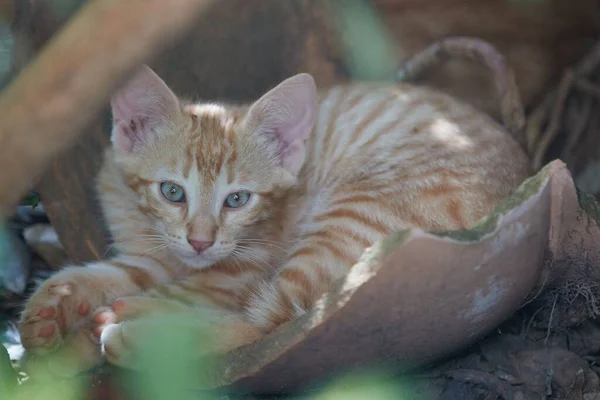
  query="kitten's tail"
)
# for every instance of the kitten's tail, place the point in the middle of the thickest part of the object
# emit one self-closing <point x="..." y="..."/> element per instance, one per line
<point x="513" y="114"/>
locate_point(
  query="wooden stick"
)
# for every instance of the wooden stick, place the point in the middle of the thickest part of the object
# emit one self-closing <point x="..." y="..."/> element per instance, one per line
<point x="60" y="92"/>
<point x="553" y="128"/>
<point x="550" y="110"/>
<point x="588" y="87"/>
<point x="7" y="11"/>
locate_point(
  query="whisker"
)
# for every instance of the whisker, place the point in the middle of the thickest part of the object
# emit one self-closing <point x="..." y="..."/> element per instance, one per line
<point x="142" y="224"/>
<point x="154" y="249"/>
<point x="157" y="249"/>
<point x="253" y="240"/>
<point x="251" y="257"/>
<point x="137" y="239"/>
<point x="251" y="249"/>
<point x="278" y="245"/>
<point x="237" y="261"/>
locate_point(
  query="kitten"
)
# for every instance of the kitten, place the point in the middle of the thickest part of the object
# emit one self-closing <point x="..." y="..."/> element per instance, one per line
<point x="255" y="210"/>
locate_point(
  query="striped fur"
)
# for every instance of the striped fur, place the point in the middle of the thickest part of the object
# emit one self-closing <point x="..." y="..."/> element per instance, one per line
<point x="380" y="158"/>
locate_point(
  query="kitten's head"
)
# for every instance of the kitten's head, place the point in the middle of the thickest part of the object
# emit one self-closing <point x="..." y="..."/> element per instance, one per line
<point x="209" y="176"/>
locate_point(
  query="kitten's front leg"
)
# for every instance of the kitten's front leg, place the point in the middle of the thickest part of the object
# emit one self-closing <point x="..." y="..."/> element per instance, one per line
<point x="302" y="280"/>
<point x="125" y="327"/>
<point x="234" y="317"/>
<point x="64" y="303"/>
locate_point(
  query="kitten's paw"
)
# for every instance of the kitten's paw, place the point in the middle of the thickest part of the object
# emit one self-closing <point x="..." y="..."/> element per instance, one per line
<point x="133" y="307"/>
<point x="79" y="353"/>
<point x="59" y="305"/>
<point x="118" y="342"/>
<point x="107" y="329"/>
<point x="124" y="329"/>
<point x="119" y="335"/>
<point x="102" y="318"/>
<point x="124" y="342"/>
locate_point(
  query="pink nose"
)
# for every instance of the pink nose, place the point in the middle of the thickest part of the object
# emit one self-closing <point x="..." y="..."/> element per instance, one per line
<point x="200" y="245"/>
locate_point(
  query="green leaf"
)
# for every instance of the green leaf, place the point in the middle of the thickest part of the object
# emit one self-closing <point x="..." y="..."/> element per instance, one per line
<point x="372" y="385"/>
<point x="8" y="376"/>
<point x="32" y="199"/>
<point x="369" y="50"/>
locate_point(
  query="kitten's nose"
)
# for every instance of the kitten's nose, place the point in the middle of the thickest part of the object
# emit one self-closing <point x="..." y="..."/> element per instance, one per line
<point x="200" y="245"/>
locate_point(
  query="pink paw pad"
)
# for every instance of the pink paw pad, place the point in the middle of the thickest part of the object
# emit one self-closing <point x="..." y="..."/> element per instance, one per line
<point x="118" y="306"/>
<point x="47" y="331"/>
<point x="47" y="312"/>
<point x="102" y="319"/>
<point x="83" y="309"/>
<point x="97" y="331"/>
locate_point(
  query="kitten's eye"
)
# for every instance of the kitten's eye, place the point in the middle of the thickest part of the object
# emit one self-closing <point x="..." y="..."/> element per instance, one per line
<point x="237" y="199"/>
<point x="172" y="192"/>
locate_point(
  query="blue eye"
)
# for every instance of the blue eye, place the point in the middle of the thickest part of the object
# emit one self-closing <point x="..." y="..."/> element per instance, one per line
<point x="172" y="192"/>
<point x="237" y="199"/>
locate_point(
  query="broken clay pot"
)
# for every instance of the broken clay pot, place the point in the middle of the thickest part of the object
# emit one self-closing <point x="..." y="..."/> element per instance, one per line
<point x="418" y="297"/>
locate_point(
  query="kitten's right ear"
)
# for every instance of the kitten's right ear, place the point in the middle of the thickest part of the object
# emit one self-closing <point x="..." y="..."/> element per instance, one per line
<point x="139" y="108"/>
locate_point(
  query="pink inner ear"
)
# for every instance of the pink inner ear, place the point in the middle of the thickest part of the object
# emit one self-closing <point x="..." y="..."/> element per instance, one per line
<point x="130" y="133"/>
<point x="292" y="157"/>
<point x="288" y="113"/>
<point x="139" y="109"/>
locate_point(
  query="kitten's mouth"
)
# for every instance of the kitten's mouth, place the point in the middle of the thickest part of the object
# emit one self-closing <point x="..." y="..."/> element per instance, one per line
<point x="208" y="257"/>
<point x="196" y="260"/>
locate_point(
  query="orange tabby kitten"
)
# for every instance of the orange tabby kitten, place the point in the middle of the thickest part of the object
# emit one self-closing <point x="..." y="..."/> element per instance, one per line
<point x="257" y="209"/>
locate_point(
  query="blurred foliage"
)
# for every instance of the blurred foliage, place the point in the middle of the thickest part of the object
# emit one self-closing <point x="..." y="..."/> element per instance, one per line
<point x="31" y="199"/>
<point x="8" y="376"/>
<point x="3" y="325"/>
<point x="368" y="47"/>
<point x="63" y="9"/>
<point x="368" y="385"/>
<point x="6" y="49"/>
<point x="3" y="242"/>
<point x="170" y="359"/>
<point x="4" y="259"/>
<point x="170" y="367"/>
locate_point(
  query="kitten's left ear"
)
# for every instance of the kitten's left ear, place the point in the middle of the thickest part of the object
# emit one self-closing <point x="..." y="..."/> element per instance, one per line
<point x="286" y="115"/>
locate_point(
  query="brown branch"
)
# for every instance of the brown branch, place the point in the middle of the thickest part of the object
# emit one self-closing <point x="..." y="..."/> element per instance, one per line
<point x="537" y="120"/>
<point x="7" y="11"/>
<point x="554" y="125"/>
<point x="550" y="110"/>
<point x="64" y="88"/>
<point x="588" y="87"/>
<point x="579" y="121"/>
<point x="588" y="64"/>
